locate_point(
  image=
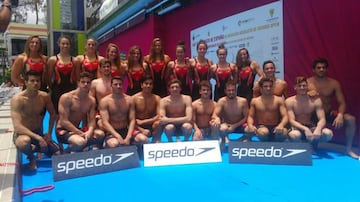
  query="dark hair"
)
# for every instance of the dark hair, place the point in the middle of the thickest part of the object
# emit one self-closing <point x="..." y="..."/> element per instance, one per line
<point x="230" y="83"/>
<point x="172" y="81"/>
<point x="204" y="83"/>
<point x="85" y="75"/>
<point x="64" y="37"/>
<point x="221" y="46"/>
<point x="300" y="79"/>
<point x="239" y="62"/>
<point x="320" y="60"/>
<point x="145" y="78"/>
<point x="93" y="39"/>
<point x="116" y="78"/>
<point x="201" y="42"/>
<point x="267" y="62"/>
<point x="105" y="61"/>
<point x="31" y="73"/>
<point x="265" y="79"/>
<point x="181" y="44"/>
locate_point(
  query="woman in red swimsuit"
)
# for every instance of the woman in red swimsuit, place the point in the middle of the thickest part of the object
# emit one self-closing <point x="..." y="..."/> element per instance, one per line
<point x="181" y="69"/>
<point x="202" y="70"/>
<point x="31" y="59"/>
<point x="246" y="72"/>
<point x="136" y="68"/>
<point x="113" y="54"/>
<point x="90" y="60"/>
<point x="63" y="71"/>
<point x="157" y="61"/>
<point x="223" y="71"/>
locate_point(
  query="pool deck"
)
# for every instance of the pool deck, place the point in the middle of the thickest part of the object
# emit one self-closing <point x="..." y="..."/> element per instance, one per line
<point x="10" y="158"/>
<point x="8" y="153"/>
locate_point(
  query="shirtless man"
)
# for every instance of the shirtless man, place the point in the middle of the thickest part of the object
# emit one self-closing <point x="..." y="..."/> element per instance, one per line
<point x="203" y="108"/>
<point x="231" y="112"/>
<point x="301" y="108"/>
<point x="118" y="115"/>
<point x="101" y="87"/>
<point x="328" y="88"/>
<point x="267" y="115"/>
<point x="75" y="106"/>
<point x="176" y="112"/>
<point x="27" y="112"/>
<point x="280" y="86"/>
<point x="147" y="110"/>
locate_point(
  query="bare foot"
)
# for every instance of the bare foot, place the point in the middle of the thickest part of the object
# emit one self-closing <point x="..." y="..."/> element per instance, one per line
<point x="244" y="139"/>
<point x="352" y="154"/>
<point x="32" y="163"/>
<point x="227" y="140"/>
<point x="39" y="155"/>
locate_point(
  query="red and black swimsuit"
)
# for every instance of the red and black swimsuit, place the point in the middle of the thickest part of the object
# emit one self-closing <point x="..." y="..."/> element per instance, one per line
<point x="90" y="66"/>
<point x="246" y="83"/>
<point x="158" y="71"/>
<point x="222" y="76"/>
<point x="67" y="83"/>
<point x="135" y="81"/>
<point x="37" y="66"/>
<point x="182" y="74"/>
<point x="203" y="71"/>
<point x="203" y="74"/>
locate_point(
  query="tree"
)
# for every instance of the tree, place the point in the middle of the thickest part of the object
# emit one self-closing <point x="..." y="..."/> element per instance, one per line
<point x="93" y="3"/>
<point x="21" y="12"/>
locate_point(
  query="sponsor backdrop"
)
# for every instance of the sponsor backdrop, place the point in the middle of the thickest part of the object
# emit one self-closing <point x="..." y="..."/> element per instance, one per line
<point x="260" y="30"/>
<point x="94" y="162"/>
<point x="270" y="153"/>
<point x="175" y="153"/>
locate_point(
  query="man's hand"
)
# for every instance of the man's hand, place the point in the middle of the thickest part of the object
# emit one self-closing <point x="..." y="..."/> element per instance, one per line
<point x="339" y="121"/>
<point x="43" y="144"/>
<point x="252" y="128"/>
<point x="309" y="135"/>
<point x="163" y="120"/>
<point x="278" y="129"/>
<point x="121" y="140"/>
<point x="198" y="133"/>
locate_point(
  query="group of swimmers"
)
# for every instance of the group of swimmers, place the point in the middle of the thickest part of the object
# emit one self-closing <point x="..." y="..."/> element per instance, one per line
<point x="98" y="102"/>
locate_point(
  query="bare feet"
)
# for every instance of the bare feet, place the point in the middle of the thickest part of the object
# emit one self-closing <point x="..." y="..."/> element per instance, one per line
<point x="40" y="155"/>
<point x="227" y="140"/>
<point x="244" y="139"/>
<point x="352" y="154"/>
<point x="32" y="163"/>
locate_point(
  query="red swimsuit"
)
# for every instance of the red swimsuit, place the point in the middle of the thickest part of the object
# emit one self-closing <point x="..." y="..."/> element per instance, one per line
<point x="90" y="66"/>
<point x="35" y="66"/>
<point x="157" y="66"/>
<point x="136" y="75"/>
<point x="246" y="74"/>
<point x="181" y="71"/>
<point x="64" y="69"/>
